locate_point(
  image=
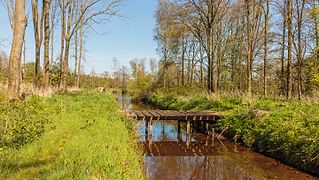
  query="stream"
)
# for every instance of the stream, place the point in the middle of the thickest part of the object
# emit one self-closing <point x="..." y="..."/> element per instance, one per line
<point x="169" y="155"/>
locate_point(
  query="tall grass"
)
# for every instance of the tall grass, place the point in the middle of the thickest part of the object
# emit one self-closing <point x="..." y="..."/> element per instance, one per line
<point x="87" y="139"/>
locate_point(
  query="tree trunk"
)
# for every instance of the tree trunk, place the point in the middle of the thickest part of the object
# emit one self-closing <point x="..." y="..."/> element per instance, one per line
<point x="289" y="69"/>
<point x="24" y="60"/>
<point x="67" y="38"/>
<point x="282" y="77"/>
<point x="218" y="60"/>
<point x="266" y="47"/>
<point x="212" y="43"/>
<point x="52" y="34"/>
<point x="66" y="64"/>
<point x="188" y="69"/>
<point x="192" y="64"/>
<point x="38" y="31"/>
<point x="76" y="45"/>
<point x="182" y="62"/>
<point x="208" y="34"/>
<point x="201" y="65"/>
<point x="299" y="53"/>
<point x="46" y="64"/>
<point x="19" y="27"/>
<point x="80" y="58"/>
<point x="249" y="52"/>
<point x="62" y="45"/>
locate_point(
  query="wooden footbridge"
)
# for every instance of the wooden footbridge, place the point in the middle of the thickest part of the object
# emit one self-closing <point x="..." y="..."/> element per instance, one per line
<point x="175" y="115"/>
<point x="191" y="118"/>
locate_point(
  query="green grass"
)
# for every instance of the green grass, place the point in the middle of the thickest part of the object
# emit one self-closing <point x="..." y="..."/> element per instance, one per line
<point x="286" y="130"/>
<point x="87" y="138"/>
<point x="191" y="99"/>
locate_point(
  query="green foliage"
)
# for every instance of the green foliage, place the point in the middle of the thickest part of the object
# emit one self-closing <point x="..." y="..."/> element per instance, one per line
<point x="55" y="74"/>
<point x="29" y="73"/>
<point x="314" y="12"/>
<point x="140" y="87"/>
<point x="87" y="139"/>
<point x="22" y="122"/>
<point x="311" y="69"/>
<point x="90" y="82"/>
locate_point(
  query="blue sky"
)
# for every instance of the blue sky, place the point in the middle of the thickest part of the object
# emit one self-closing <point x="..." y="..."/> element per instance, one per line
<point x="125" y="38"/>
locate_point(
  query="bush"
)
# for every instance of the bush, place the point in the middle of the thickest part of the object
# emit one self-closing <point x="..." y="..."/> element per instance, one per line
<point x="22" y="122"/>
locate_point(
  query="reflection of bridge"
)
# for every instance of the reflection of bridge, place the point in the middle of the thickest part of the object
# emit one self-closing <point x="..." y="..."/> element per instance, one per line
<point x="179" y="148"/>
<point x="191" y="118"/>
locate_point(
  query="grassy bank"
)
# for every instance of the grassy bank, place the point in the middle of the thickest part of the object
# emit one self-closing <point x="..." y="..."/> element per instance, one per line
<point x="286" y="130"/>
<point x="83" y="136"/>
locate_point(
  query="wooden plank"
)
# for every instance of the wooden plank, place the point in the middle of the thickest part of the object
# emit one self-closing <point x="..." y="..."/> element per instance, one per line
<point x="147" y="114"/>
<point x="154" y="114"/>
<point x="163" y="116"/>
<point x="139" y="115"/>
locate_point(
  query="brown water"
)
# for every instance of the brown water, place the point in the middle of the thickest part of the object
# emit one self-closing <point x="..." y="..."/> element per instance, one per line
<point x="169" y="155"/>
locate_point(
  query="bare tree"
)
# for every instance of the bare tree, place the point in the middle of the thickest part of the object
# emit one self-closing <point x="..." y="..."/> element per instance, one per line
<point x="9" y="4"/>
<point x="91" y="12"/>
<point x="290" y="34"/>
<point x="300" y="6"/>
<point x="266" y="15"/>
<point x="19" y="27"/>
<point x="81" y="56"/>
<point x="38" y="38"/>
<point x="52" y="13"/>
<point x="46" y="60"/>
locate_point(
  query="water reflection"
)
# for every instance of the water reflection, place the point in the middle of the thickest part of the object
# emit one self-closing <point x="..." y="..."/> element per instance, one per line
<point x="125" y="102"/>
<point x="169" y="156"/>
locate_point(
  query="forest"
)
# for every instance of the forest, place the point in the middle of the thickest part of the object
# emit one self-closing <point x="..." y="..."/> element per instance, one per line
<point x="260" y="47"/>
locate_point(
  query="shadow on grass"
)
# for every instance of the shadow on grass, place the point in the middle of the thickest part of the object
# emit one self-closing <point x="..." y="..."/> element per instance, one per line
<point x="35" y="163"/>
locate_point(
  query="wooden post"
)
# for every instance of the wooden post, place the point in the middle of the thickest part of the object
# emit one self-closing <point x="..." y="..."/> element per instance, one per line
<point x="213" y="134"/>
<point x="150" y="142"/>
<point x="188" y="139"/>
<point x="201" y="124"/>
<point x="179" y="127"/>
<point x="188" y="127"/>
<point x="151" y="125"/>
<point x="206" y="127"/>
<point x="146" y="127"/>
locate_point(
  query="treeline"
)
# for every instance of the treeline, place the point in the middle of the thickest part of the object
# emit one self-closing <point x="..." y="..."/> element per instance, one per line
<point x="73" y="18"/>
<point x="257" y="47"/>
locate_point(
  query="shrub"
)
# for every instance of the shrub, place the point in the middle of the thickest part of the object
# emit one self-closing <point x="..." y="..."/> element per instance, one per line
<point x="22" y="122"/>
